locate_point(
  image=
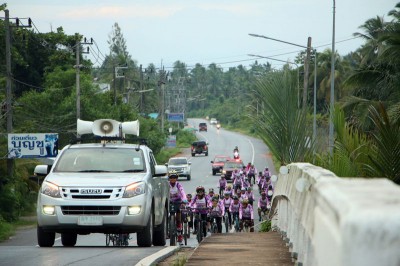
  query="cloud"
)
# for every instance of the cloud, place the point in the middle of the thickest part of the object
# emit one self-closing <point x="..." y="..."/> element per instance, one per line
<point x="118" y="11"/>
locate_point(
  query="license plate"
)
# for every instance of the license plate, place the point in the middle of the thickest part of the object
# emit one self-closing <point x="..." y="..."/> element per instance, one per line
<point x="90" y="220"/>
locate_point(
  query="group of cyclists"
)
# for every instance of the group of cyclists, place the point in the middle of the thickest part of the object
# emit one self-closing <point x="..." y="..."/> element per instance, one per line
<point x="234" y="202"/>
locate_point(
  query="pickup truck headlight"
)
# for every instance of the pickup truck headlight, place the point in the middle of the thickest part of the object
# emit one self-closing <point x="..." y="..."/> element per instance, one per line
<point x="134" y="189"/>
<point x="51" y="190"/>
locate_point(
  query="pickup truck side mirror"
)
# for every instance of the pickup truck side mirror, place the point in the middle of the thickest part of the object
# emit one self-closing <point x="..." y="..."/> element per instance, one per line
<point x="40" y="173"/>
<point x="166" y="164"/>
<point x="161" y="170"/>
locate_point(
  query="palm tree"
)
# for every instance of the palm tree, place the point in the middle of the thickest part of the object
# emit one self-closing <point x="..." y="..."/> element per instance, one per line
<point x="281" y="124"/>
<point x="385" y="158"/>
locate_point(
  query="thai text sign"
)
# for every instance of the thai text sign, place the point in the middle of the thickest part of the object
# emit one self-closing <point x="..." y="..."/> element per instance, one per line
<point x="176" y="117"/>
<point x="32" y="145"/>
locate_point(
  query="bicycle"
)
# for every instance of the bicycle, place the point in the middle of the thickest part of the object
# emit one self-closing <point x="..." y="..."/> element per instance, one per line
<point x="118" y="240"/>
<point x="214" y="227"/>
<point x="185" y="216"/>
<point x="236" y="222"/>
<point x="201" y="225"/>
<point x="226" y="219"/>
<point x="173" y="232"/>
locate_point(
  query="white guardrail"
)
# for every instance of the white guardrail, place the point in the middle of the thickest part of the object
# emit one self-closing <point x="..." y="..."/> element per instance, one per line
<point x="331" y="221"/>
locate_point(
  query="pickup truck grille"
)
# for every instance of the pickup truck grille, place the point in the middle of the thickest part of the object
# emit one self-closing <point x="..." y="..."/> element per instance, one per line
<point x="91" y="193"/>
<point x="90" y="210"/>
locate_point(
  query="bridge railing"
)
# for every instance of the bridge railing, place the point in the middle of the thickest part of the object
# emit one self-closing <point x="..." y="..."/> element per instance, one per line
<point x="328" y="220"/>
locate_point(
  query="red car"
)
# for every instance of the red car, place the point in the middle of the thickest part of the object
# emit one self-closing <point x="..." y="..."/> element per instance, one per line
<point x="218" y="163"/>
<point x="231" y="165"/>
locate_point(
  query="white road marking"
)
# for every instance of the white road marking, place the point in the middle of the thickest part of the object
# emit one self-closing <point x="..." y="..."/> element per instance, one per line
<point x="252" y="147"/>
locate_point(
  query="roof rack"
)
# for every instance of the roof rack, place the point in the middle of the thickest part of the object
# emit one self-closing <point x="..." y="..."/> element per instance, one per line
<point x="105" y="140"/>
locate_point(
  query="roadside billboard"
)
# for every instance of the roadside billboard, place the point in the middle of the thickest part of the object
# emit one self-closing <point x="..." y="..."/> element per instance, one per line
<point x="176" y="117"/>
<point x="41" y="145"/>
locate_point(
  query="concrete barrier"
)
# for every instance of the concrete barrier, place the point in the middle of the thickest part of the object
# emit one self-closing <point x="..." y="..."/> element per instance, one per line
<point x="328" y="220"/>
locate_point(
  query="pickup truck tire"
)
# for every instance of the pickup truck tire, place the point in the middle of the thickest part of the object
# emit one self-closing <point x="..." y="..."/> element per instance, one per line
<point x="68" y="239"/>
<point x="145" y="237"/>
<point x="189" y="177"/>
<point x="45" y="239"/>
<point x="206" y="153"/>
<point x="160" y="234"/>
<point x="193" y="154"/>
<point x="214" y="172"/>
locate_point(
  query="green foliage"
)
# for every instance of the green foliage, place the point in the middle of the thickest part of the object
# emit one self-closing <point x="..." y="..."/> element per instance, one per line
<point x="386" y="151"/>
<point x="184" y="138"/>
<point x="166" y="153"/>
<point x="280" y="123"/>
<point x="266" y="226"/>
<point x="6" y="229"/>
<point x="350" y="152"/>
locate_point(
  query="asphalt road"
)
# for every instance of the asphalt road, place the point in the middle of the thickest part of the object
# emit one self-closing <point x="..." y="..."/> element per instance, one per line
<point x="22" y="249"/>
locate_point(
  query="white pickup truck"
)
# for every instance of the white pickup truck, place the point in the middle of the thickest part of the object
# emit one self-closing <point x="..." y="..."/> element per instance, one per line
<point x="106" y="187"/>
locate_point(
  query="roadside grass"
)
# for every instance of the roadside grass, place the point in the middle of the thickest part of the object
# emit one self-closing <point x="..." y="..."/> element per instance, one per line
<point x="8" y="229"/>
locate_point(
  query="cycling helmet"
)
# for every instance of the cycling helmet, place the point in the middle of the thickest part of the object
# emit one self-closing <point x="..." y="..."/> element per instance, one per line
<point x="235" y="197"/>
<point x="172" y="174"/>
<point x="226" y="193"/>
<point x="215" y="199"/>
<point x="229" y="186"/>
<point x="211" y="190"/>
<point x="249" y="188"/>
<point x="263" y="193"/>
<point x="260" y="173"/>
<point x="188" y="195"/>
<point x="222" y="176"/>
<point x="245" y="201"/>
<point x="200" y="188"/>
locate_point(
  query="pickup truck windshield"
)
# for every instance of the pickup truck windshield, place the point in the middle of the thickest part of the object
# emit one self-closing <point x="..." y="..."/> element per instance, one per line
<point x="101" y="160"/>
<point x="177" y="161"/>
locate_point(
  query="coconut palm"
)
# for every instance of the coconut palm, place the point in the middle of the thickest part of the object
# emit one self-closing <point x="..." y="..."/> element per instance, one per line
<point x="385" y="158"/>
<point x="281" y="124"/>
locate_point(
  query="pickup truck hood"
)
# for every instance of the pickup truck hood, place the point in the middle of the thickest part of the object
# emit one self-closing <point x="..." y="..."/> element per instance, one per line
<point x="218" y="164"/>
<point x="94" y="179"/>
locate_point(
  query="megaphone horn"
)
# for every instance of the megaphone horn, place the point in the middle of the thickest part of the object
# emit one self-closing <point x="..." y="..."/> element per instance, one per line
<point x="84" y="127"/>
<point x="130" y="127"/>
<point x="106" y="127"/>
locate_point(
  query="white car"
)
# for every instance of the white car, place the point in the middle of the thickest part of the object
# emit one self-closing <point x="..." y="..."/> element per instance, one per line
<point x="213" y="121"/>
<point x="181" y="165"/>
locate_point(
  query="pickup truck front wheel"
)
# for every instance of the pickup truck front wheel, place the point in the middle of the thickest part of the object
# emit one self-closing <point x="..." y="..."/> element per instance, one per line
<point x="45" y="239"/>
<point x="68" y="239"/>
<point x="145" y="237"/>
<point x="160" y="234"/>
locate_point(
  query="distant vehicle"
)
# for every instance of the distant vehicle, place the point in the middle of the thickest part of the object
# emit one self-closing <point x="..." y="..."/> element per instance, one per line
<point x="203" y="127"/>
<point x="213" y="121"/>
<point x="181" y="165"/>
<point x="218" y="163"/>
<point x="231" y="165"/>
<point x="199" y="147"/>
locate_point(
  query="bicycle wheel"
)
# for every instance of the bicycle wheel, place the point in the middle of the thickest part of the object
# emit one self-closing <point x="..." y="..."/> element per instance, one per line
<point x="185" y="233"/>
<point x="226" y="223"/>
<point x="172" y="232"/>
<point x="199" y="231"/>
<point x="108" y="240"/>
<point x="237" y="229"/>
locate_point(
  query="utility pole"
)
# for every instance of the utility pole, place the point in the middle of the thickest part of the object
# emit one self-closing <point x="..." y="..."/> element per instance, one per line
<point x="116" y="75"/>
<point x="306" y="70"/>
<point x="161" y="82"/>
<point x="141" y="105"/>
<point x="9" y="109"/>
<point x="332" y="100"/>
<point x="10" y="165"/>
<point x="77" y="67"/>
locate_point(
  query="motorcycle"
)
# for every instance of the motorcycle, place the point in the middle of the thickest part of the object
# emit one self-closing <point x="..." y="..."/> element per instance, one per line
<point x="236" y="153"/>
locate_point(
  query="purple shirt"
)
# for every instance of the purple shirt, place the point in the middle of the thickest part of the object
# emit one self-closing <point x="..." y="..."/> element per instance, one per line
<point x="234" y="207"/>
<point x="263" y="203"/>
<point x="200" y="203"/>
<point x="217" y="211"/>
<point x="176" y="192"/>
<point x="246" y="213"/>
<point x="222" y="183"/>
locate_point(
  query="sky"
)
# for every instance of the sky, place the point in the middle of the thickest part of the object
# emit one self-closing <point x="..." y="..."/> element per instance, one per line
<point x="206" y="31"/>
